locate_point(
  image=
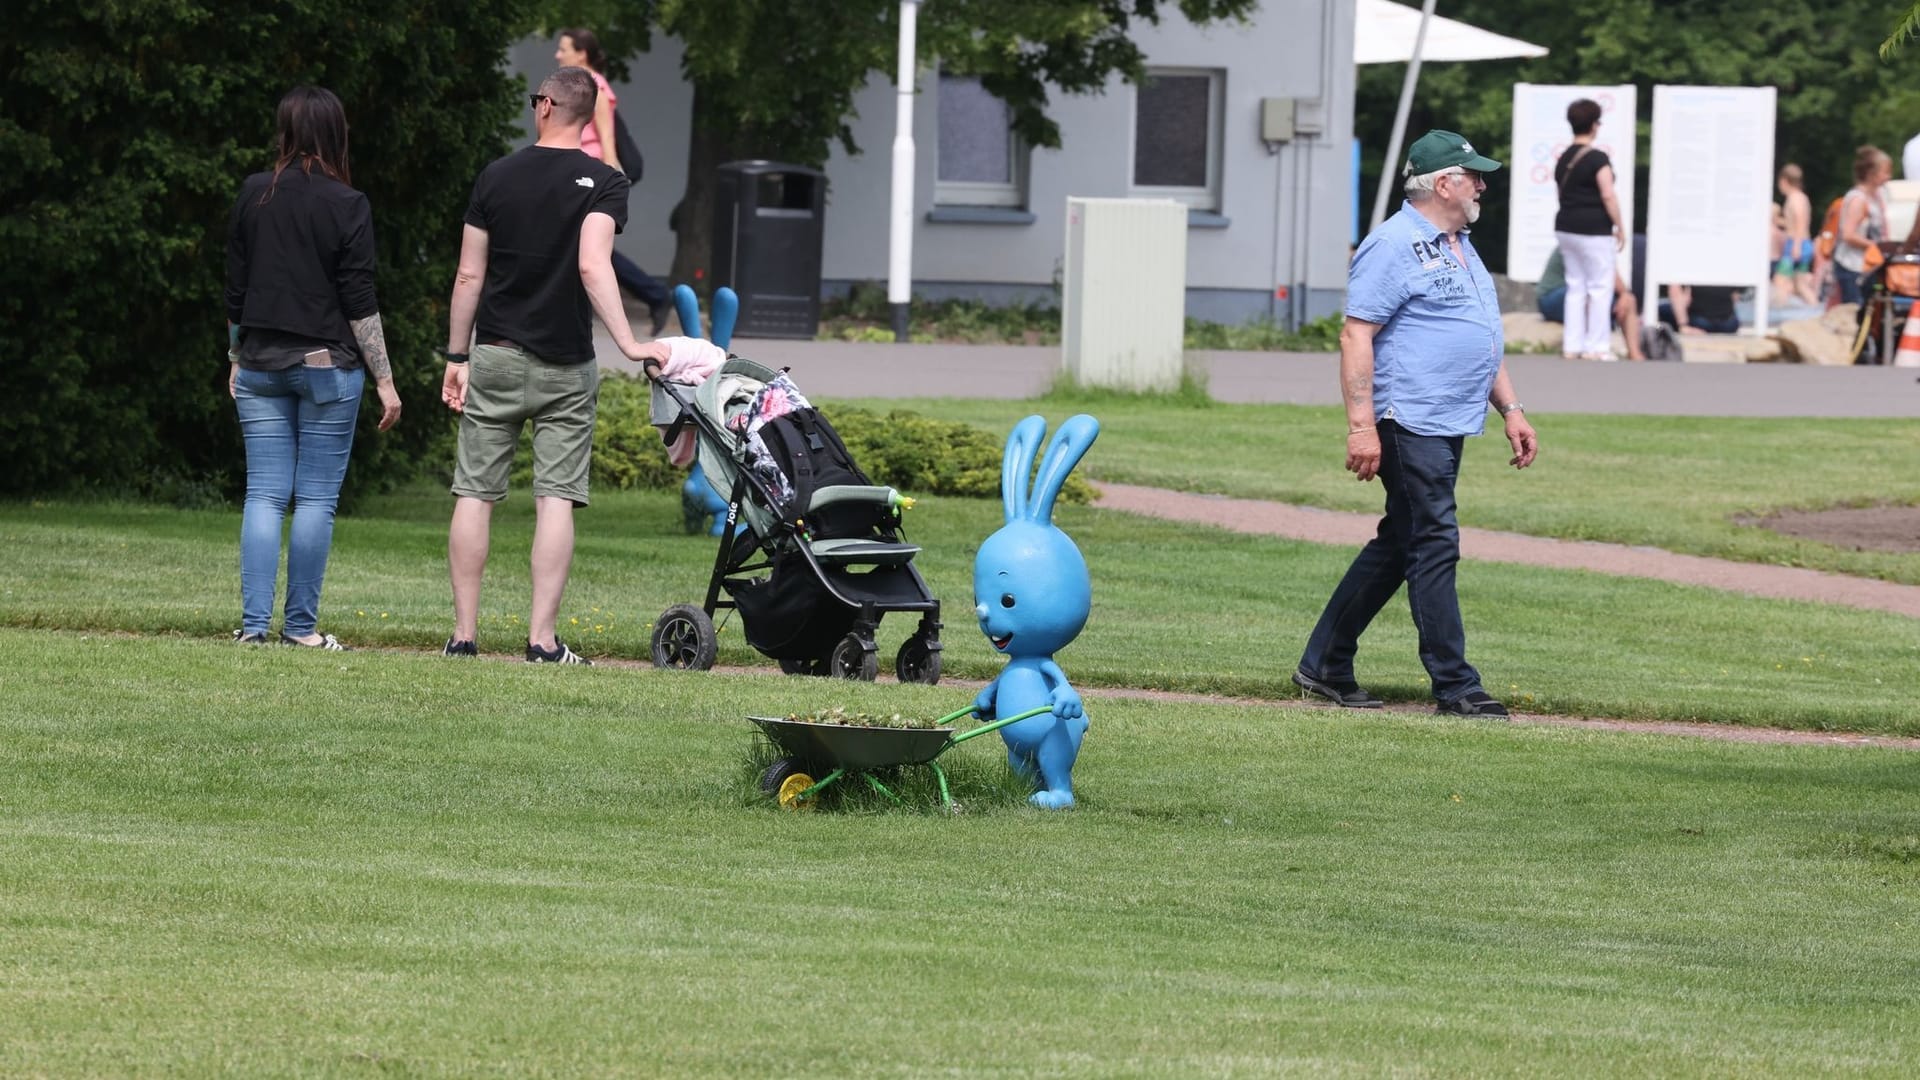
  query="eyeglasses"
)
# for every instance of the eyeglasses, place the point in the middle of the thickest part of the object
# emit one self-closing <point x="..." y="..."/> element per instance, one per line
<point x="534" y="100"/>
<point x="1478" y="179"/>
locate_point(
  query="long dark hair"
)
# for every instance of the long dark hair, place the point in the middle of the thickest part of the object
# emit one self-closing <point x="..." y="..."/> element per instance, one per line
<point x="586" y="42"/>
<point x="313" y="133"/>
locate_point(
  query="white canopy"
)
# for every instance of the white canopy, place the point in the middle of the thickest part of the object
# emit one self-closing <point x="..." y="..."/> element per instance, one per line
<point x="1383" y="33"/>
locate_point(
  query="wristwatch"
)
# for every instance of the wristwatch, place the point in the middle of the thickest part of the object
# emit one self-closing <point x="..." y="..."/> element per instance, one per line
<point x="1510" y="407"/>
<point x="454" y="357"/>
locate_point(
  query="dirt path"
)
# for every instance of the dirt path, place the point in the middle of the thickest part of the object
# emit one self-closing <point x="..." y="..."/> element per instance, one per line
<point x="1343" y="527"/>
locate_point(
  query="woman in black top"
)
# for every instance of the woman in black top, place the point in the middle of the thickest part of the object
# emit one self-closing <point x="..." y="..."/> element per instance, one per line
<point x="1589" y="232"/>
<point x="303" y="332"/>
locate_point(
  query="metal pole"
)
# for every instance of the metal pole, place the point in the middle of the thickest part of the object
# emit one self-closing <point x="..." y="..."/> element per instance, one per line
<point x="900" y="229"/>
<point x="1389" y="168"/>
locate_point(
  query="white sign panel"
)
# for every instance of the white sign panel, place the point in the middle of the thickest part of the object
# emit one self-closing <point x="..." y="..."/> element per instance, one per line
<point x="1710" y="190"/>
<point x="1540" y="136"/>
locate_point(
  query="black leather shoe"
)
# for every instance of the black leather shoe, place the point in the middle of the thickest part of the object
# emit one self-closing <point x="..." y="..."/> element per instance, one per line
<point x="1473" y="703"/>
<point x="1349" y="696"/>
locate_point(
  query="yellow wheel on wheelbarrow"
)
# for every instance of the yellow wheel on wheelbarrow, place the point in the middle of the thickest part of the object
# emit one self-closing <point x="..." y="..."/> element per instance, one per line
<point x="789" y="794"/>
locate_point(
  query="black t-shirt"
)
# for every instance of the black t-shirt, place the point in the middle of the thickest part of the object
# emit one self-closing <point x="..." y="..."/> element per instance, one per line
<point x="299" y="267"/>
<point x="1581" y="211"/>
<point x="531" y="204"/>
<point x="1713" y="302"/>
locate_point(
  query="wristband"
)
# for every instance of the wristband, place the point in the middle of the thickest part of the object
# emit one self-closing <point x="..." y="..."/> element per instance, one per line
<point x="454" y="357"/>
<point x="1511" y="407"/>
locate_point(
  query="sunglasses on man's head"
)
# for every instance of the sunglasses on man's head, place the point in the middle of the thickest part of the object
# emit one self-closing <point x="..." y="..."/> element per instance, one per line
<point x="534" y="100"/>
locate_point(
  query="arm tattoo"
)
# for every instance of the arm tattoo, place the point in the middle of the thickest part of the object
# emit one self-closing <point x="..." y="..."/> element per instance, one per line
<point x="373" y="345"/>
<point x="1359" y="391"/>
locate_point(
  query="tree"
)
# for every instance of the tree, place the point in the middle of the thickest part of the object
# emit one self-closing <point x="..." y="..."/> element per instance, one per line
<point x="1834" y="95"/>
<point x="776" y="79"/>
<point x="125" y="130"/>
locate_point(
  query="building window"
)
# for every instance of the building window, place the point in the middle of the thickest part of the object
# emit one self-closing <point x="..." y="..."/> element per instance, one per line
<point x="1176" y="136"/>
<point x="981" y="161"/>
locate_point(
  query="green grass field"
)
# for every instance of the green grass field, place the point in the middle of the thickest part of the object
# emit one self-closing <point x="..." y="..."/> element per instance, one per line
<point x="1175" y="607"/>
<point x="217" y="860"/>
<point x="1676" y="483"/>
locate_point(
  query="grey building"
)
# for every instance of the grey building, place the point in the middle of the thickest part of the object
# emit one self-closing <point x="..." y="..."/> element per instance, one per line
<point x="1270" y="210"/>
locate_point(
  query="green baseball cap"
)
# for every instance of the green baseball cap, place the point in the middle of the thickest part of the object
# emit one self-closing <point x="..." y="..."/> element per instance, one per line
<point x="1438" y="150"/>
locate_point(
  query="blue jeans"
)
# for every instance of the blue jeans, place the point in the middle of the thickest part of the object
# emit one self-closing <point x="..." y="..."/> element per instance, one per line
<point x="638" y="281"/>
<point x="1419" y="543"/>
<point x="298" y="427"/>
<point x="1847" y="283"/>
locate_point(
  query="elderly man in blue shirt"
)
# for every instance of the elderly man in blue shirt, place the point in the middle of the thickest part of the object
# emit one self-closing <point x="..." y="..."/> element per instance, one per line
<point x="1422" y="355"/>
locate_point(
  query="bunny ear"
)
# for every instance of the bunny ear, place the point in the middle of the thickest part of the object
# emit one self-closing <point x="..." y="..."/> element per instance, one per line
<point x="1022" y="444"/>
<point x="1068" y="447"/>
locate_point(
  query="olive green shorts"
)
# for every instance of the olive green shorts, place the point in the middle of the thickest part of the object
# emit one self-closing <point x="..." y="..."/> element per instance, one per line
<point x="508" y="386"/>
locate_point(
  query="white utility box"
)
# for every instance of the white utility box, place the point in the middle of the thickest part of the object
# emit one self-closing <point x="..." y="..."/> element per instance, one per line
<point x="1124" y="304"/>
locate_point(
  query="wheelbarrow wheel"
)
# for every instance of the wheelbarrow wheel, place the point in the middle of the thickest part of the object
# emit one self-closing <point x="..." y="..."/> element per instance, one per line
<point x="918" y="660"/>
<point x="683" y="639"/>
<point x="785" y="780"/>
<point x="853" y="658"/>
<point x="777" y="774"/>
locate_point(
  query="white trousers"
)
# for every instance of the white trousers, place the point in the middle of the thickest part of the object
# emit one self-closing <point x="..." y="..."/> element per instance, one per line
<point x="1589" y="265"/>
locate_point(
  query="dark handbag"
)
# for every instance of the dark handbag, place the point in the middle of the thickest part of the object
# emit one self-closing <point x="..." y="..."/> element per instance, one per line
<point x="630" y="161"/>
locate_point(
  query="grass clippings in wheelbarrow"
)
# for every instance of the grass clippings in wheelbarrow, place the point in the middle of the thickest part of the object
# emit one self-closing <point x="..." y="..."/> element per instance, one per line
<point x="839" y="715"/>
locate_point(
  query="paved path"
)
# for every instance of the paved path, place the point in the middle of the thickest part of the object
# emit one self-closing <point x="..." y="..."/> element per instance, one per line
<point x="1353" y="529"/>
<point x="1548" y="384"/>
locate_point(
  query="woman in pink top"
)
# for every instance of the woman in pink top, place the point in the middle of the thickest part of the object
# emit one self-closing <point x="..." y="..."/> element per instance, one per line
<point x="579" y="48"/>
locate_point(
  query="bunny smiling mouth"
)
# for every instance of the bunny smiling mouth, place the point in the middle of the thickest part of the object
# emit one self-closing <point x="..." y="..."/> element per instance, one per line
<point x="1001" y="643"/>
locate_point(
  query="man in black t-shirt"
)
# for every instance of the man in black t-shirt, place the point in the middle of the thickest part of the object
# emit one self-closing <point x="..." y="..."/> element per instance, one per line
<point x="535" y="264"/>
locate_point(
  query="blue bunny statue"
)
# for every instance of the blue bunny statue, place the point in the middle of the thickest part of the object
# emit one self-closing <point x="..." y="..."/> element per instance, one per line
<point x="1032" y="595"/>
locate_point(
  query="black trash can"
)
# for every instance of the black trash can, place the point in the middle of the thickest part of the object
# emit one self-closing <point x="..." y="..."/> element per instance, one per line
<point x="767" y="237"/>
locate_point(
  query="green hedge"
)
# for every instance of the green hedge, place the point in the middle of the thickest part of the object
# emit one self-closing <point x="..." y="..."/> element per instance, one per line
<point x="918" y="455"/>
<point x="125" y="130"/>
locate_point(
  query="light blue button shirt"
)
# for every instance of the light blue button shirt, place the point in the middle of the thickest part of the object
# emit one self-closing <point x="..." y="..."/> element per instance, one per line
<point x="1440" y="341"/>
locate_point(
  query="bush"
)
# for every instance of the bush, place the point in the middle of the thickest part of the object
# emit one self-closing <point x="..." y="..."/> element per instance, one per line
<point x="916" y="454"/>
<point x="125" y="130"/>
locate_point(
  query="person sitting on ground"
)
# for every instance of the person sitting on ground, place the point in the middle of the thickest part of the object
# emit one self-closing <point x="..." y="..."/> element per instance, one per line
<point x="1700" y="309"/>
<point x="1552" y="292"/>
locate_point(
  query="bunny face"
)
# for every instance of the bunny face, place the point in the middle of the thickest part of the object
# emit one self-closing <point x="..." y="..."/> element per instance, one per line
<point x="1031" y="590"/>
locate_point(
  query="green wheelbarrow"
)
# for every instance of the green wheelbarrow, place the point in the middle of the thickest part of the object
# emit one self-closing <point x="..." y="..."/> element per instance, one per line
<point x="835" y="751"/>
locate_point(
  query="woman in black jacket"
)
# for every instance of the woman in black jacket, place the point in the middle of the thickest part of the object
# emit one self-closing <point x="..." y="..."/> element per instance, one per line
<point x="303" y="332"/>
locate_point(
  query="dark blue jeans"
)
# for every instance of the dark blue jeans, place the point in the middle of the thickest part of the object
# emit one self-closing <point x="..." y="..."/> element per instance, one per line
<point x="1418" y="543"/>
<point x="638" y="282"/>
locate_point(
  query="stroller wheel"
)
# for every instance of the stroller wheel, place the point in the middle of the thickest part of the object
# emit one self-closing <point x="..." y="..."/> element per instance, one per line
<point x="683" y="638"/>
<point x="918" y="660"/>
<point x="853" y="658"/>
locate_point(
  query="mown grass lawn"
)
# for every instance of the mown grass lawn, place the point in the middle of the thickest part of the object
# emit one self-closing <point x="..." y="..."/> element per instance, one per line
<point x="267" y="862"/>
<point x="1175" y="607"/>
<point x="1677" y="483"/>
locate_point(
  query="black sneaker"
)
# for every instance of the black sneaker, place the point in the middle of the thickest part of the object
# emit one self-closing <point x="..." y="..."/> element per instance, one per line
<point x="258" y="637"/>
<point x="657" y="316"/>
<point x="1348" y="696"/>
<point x="327" y="642"/>
<point x="559" y="655"/>
<point x="1473" y="703"/>
<point x="459" y="648"/>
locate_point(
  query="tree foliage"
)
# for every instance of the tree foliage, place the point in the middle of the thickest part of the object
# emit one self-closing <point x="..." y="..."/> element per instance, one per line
<point x="776" y="79"/>
<point x="1834" y="93"/>
<point x="125" y="130"/>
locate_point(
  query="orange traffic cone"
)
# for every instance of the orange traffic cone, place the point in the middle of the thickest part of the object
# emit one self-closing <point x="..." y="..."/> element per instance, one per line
<point x="1908" y="354"/>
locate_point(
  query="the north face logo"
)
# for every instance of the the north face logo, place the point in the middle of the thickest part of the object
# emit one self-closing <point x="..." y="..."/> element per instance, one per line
<point x="584" y="181"/>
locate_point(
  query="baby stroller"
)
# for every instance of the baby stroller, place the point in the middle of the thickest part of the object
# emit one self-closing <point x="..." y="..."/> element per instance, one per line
<point x="812" y="555"/>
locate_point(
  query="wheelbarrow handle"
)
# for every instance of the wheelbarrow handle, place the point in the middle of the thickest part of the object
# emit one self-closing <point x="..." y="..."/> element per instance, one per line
<point x="995" y="726"/>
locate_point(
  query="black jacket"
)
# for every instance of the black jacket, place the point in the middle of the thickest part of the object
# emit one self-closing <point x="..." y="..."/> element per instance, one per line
<point x="301" y="262"/>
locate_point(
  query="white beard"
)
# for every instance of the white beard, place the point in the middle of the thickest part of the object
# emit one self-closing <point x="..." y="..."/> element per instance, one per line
<point x="1473" y="211"/>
